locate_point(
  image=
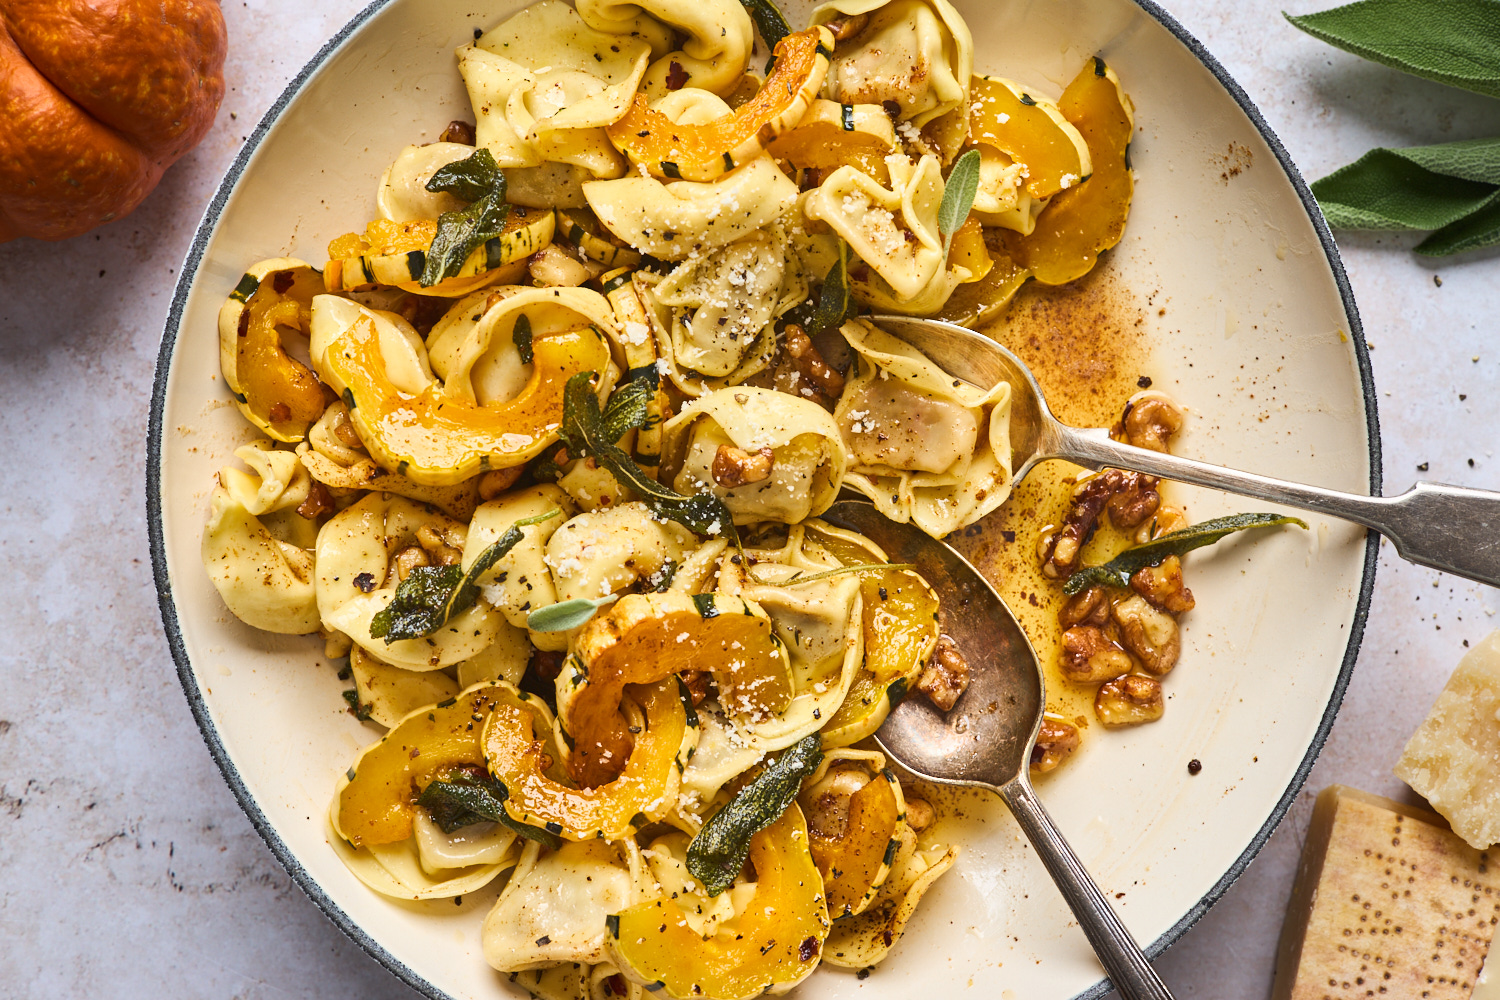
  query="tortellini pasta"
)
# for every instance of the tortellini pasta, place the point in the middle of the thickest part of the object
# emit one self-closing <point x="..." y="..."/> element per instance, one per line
<point x="923" y="446"/>
<point x="520" y="581"/>
<point x="769" y="455"/>
<point x="673" y="221"/>
<point x="713" y="315"/>
<point x="267" y="581"/>
<point x="431" y="864"/>
<point x="604" y="551"/>
<point x="403" y="194"/>
<point x="544" y="84"/>
<point x="916" y="53"/>
<point x="718" y="39"/>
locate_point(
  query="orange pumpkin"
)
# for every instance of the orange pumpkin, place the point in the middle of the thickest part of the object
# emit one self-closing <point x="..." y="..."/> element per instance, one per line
<point x="97" y="99"/>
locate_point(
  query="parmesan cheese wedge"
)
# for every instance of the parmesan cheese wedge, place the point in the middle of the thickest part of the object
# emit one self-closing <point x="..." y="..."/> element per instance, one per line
<point x="1453" y="759"/>
<point x="1388" y="903"/>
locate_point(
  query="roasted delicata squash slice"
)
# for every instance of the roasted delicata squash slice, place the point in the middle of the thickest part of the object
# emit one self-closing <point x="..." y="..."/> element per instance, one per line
<point x="834" y="135"/>
<point x="432" y="435"/>
<point x="275" y="392"/>
<point x="774" y="943"/>
<point x="679" y="151"/>
<point x="579" y="227"/>
<point x="977" y="303"/>
<point x="1032" y="131"/>
<point x="855" y="814"/>
<point x="395" y="254"/>
<point x="862" y="940"/>
<point x="376" y="801"/>
<point x="520" y="752"/>
<point x="1085" y="220"/>
<point x="645" y="638"/>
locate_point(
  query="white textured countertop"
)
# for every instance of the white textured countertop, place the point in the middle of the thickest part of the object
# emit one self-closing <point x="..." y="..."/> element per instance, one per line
<point x="127" y="869"/>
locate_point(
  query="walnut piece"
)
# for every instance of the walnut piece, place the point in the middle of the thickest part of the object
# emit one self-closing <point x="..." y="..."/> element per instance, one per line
<point x="1090" y="655"/>
<point x="1150" y="420"/>
<point x="946" y="676"/>
<point x="1150" y="634"/>
<point x="810" y="363"/>
<point x="1054" y="743"/>
<point x="1162" y="585"/>
<point x="735" y="467"/>
<point x="1129" y="701"/>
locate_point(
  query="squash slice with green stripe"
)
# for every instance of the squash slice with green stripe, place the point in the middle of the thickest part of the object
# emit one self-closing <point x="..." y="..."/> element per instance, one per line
<point x="275" y="392"/>
<point x="520" y="750"/>
<point x="702" y="152"/>
<point x="774" y="942"/>
<point x="579" y="228"/>
<point x="395" y="254"/>
<point x="646" y="638"/>
<point x="856" y="813"/>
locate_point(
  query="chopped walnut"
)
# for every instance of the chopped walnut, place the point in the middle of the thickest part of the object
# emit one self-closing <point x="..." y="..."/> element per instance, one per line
<point x="919" y="815"/>
<point x="344" y="430"/>
<point x="443" y="548"/>
<point x="1166" y="519"/>
<point x="946" y="676"/>
<point x="497" y="481"/>
<point x="736" y="467"/>
<point x="460" y="132"/>
<point x="1090" y="655"/>
<point x="1129" y="701"/>
<point x="1150" y="420"/>
<point x="1162" y="586"/>
<point x="847" y="26"/>
<point x="1151" y="635"/>
<point x="407" y="560"/>
<point x="1135" y="498"/>
<point x="319" y="502"/>
<point x="698" y="683"/>
<point x="1054" y="743"/>
<point x="1087" y="607"/>
<point x="810" y="363"/>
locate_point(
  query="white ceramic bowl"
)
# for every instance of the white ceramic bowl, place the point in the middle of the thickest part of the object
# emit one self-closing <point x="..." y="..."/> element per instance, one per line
<point x="1261" y="340"/>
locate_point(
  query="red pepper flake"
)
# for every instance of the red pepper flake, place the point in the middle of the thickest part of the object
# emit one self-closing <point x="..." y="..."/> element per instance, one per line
<point x="808" y="949"/>
<point x="677" y="77"/>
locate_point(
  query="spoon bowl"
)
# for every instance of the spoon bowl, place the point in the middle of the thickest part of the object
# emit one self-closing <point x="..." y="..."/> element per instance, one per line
<point x="986" y="740"/>
<point x="1449" y="528"/>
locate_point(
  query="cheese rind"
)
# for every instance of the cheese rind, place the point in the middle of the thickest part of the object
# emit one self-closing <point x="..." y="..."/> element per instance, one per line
<point x="1388" y="903"/>
<point x="1453" y="759"/>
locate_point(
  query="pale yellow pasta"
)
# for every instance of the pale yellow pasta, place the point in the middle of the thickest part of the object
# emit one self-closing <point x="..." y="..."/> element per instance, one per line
<point x="403" y="195"/>
<point x="718" y="38"/>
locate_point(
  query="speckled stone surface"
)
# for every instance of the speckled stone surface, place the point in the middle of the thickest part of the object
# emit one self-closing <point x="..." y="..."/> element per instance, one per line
<point x="127" y="869"/>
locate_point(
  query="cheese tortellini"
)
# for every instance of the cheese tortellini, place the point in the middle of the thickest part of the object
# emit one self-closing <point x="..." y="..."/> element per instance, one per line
<point x="923" y="446"/>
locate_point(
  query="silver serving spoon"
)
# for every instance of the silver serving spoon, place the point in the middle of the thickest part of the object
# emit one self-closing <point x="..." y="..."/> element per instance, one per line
<point x="987" y="739"/>
<point x="1449" y="528"/>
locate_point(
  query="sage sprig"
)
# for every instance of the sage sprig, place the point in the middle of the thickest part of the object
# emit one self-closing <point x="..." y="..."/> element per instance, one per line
<point x="1451" y="189"/>
<point x="958" y="196"/>
<point x="564" y="616"/>
<point x="1117" y="572"/>
<point x="716" y="855"/>
<point x="836" y="300"/>
<point x="478" y="180"/>
<point x="431" y="596"/>
<point x="586" y="433"/>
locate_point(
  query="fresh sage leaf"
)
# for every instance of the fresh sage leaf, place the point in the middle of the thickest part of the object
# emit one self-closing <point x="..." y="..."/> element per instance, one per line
<point x="479" y="180"/>
<point x="1480" y="228"/>
<point x="627" y="409"/>
<point x="718" y="852"/>
<point x="432" y="595"/>
<point x="1456" y="42"/>
<point x="1422" y="187"/>
<point x="583" y="434"/>
<point x="836" y="301"/>
<point x="958" y="196"/>
<point x="769" y="21"/>
<point x="467" y="798"/>
<point x="566" y="615"/>
<point x="1117" y="572"/>
<point x="520" y="335"/>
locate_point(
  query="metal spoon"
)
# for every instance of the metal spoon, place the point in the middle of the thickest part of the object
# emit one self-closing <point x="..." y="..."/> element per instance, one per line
<point x="1449" y="528"/>
<point x="987" y="739"/>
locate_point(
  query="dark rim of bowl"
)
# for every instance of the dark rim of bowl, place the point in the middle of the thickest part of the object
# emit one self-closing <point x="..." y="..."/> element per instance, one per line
<point x="247" y="801"/>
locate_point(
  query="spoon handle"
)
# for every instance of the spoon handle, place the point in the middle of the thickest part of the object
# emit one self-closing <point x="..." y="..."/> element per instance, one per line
<point x="1124" y="962"/>
<point x="1449" y="528"/>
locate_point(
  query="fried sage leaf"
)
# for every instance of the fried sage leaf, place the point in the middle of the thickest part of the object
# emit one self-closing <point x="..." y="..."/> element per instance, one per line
<point x="1117" y="572"/>
<point x="479" y="181"/>
<point x="431" y="595"/>
<point x="467" y="797"/>
<point x="521" y="335"/>
<point x="836" y="301"/>
<point x="584" y="434"/>
<point x="718" y="852"/>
